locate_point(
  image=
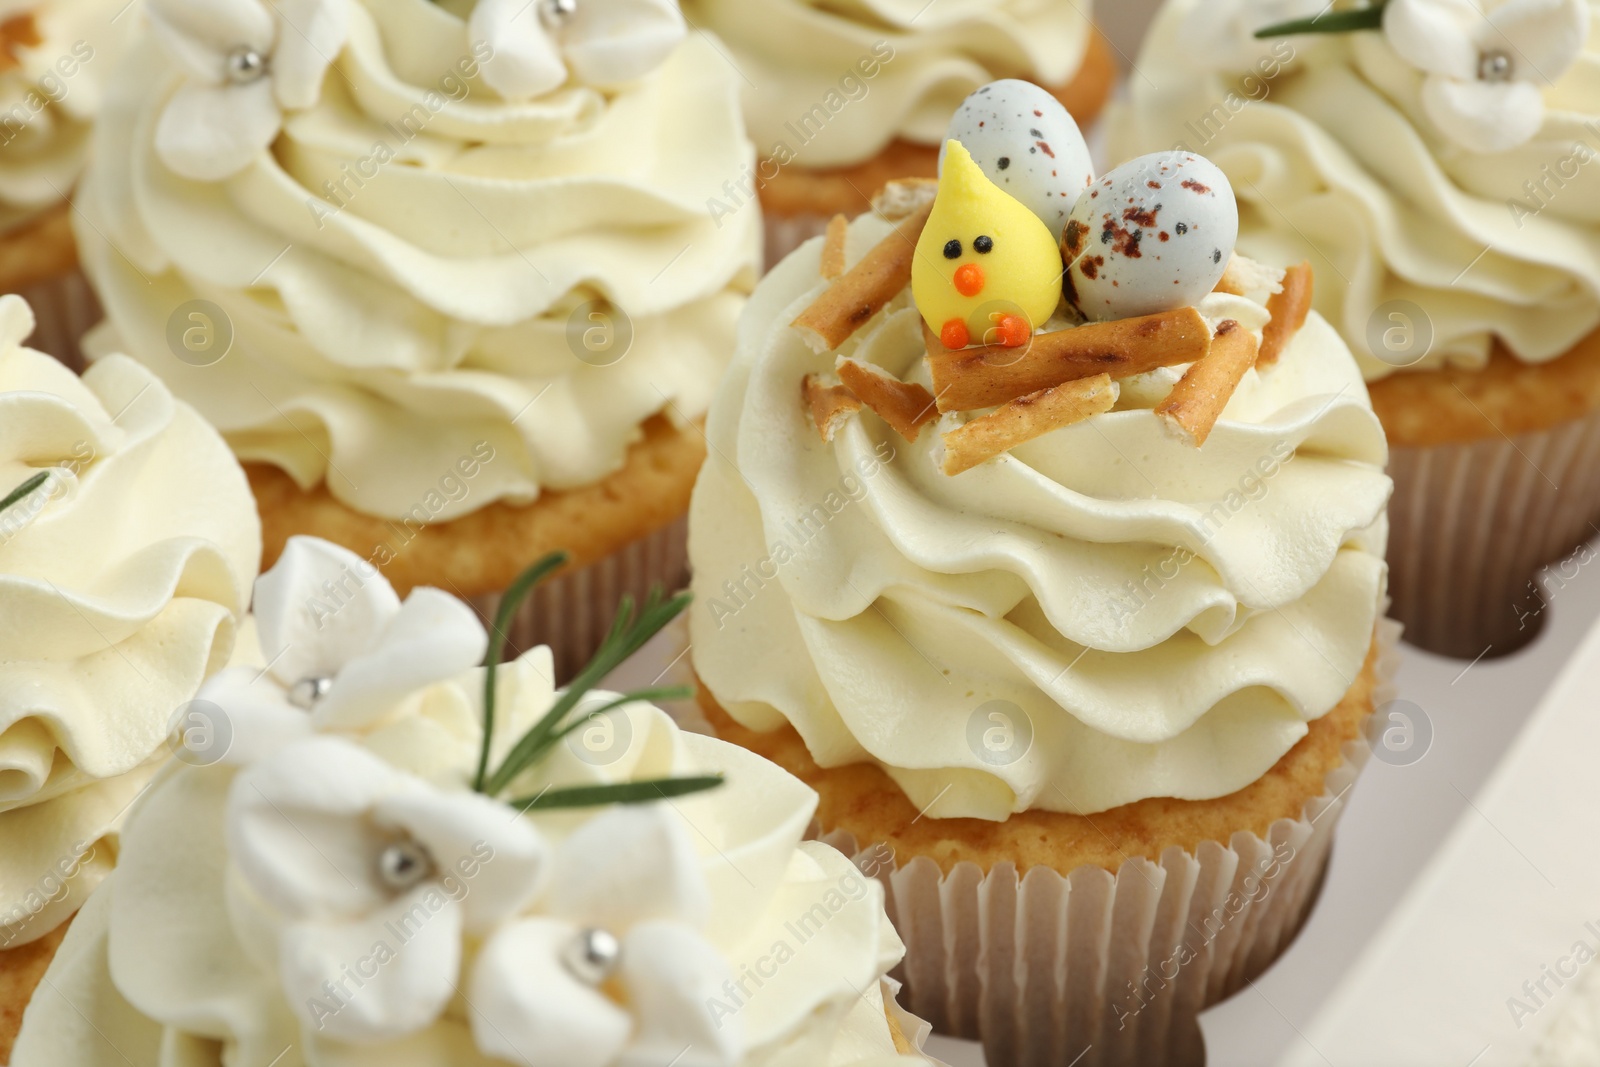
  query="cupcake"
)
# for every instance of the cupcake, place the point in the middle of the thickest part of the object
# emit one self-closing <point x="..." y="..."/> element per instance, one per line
<point x="55" y="59"/>
<point x="1080" y="625"/>
<point x="128" y="542"/>
<point x="843" y="97"/>
<point x="1428" y="159"/>
<point x="442" y="274"/>
<point x="384" y="865"/>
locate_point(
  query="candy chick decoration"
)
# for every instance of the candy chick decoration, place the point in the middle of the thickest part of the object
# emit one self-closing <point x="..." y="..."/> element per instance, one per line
<point x="987" y="271"/>
<point x="1151" y="235"/>
<point x="1026" y="142"/>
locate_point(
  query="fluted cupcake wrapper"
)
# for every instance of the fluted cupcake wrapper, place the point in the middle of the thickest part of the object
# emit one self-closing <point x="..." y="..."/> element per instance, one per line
<point x="1472" y="527"/>
<point x="1093" y="968"/>
<point x="65" y="308"/>
<point x="573" y="611"/>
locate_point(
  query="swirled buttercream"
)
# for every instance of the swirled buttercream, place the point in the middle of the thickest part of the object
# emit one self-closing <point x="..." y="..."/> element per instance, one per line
<point x="831" y="83"/>
<point x="180" y="948"/>
<point x="55" y="58"/>
<point x="1334" y="158"/>
<point x="418" y="269"/>
<point x="121" y="579"/>
<point x="1104" y="614"/>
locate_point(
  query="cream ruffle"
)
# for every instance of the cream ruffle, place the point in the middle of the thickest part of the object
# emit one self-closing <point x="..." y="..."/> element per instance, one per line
<point x="172" y="955"/>
<point x="830" y="84"/>
<point x="1166" y="620"/>
<point x="393" y="318"/>
<point x="1338" y="163"/>
<point x="120" y="583"/>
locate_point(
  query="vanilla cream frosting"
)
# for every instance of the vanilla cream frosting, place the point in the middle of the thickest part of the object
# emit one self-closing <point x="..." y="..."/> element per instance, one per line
<point x="121" y="581"/>
<point x="406" y="272"/>
<point x="1102" y="615"/>
<point x="173" y="960"/>
<point x="1334" y="159"/>
<point x="56" y="59"/>
<point x="831" y="82"/>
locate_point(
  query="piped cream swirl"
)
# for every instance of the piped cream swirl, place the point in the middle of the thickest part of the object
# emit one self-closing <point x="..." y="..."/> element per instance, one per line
<point x="58" y="56"/>
<point x="1334" y="159"/>
<point x="800" y="925"/>
<point x="831" y="83"/>
<point x="1148" y="619"/>
<point x="121" y="580"/>
<point x="404" y="272"/>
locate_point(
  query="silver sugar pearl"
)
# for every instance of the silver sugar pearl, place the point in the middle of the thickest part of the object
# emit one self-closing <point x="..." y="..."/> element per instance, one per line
<point x="404" y="864"/>
<point x="1494" y="67"/>
<point x="592" y="955"/>
<point x="245" y="65"/>
<point x="305" y="693"/>
<point x="554" y="13"/>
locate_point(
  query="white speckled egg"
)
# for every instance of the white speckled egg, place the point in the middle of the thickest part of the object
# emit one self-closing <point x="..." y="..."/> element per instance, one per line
<point x="1151" y="235"/>
<point x="1027" y="144"/>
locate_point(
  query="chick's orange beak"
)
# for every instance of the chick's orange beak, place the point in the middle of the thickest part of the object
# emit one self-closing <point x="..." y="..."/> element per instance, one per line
<point x="969" y="279"/>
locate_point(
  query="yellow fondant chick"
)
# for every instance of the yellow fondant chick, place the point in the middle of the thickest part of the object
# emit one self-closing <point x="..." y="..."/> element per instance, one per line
<point x="987" y="270"/>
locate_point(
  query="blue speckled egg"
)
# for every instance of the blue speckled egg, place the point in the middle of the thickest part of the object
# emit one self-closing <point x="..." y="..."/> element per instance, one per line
<point x="1151" y="235"/>
<point x="1027" y="144"/>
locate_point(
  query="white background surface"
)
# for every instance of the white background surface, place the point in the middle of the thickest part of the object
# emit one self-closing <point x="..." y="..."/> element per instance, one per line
<point x="1502" y="905"/>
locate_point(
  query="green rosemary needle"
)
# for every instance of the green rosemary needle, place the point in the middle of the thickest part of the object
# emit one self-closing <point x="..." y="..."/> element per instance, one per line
<point x="642" y="792"/>
<point x="24" y="489"/>
<point x="1366" y="18"/>
<point x="515" y="594"/>
<point x="629" y="632"/>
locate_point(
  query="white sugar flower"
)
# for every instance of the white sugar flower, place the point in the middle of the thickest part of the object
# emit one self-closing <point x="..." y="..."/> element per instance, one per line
<point x="247" y="63"/>
<point x="1486" y="69"/>
<point x="613" y="967"/>
<point x="603" y="42"/>
<point x="342" y="651"/>
<point x="373" y="872"/>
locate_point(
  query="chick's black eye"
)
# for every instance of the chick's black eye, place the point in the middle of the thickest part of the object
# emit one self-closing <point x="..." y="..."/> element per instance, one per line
<point x="983" y="245"/>
<point x="952" y="249"/>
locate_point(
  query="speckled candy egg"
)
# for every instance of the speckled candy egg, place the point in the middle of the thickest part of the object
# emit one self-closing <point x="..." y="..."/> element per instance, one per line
<point x="1151" y="235"/>
<point x="1027" y="144"/>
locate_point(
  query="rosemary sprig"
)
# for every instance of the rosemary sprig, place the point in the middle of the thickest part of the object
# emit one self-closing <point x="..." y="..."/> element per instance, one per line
<point x="24" y="489"/>
<point x="1366" y="18"/>
<point x="588" y="796"/>
<point x="515" y="594"/>
<point x="629" y="632"/>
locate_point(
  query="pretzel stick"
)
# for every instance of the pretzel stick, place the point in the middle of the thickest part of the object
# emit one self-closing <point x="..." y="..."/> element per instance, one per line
<point x="1196" y="402"/>
<point x="1289" y="309"/>
<point x="1244" y="276"/>
<point x="831" y="405"/>
<point x="982" y="377"/>
<point x="862" y="290"/>
<point x="904" y="196"/>
<point x="1025" y="418"/>
<point x="833" y="247"/>
<point x="903" y="405"/>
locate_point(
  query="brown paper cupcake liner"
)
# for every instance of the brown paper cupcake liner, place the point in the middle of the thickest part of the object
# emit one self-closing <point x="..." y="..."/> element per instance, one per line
<point x="65" y="308"/>
<point x="572" y="612"/>
<point x="1473" y="526"/>
<point x="1093" y="968"/>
